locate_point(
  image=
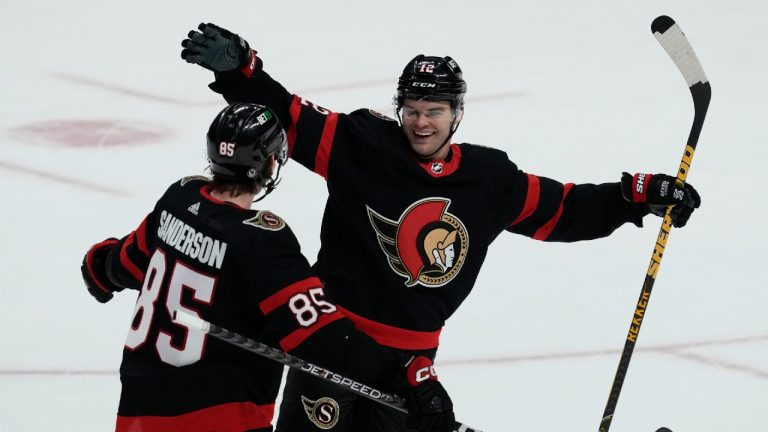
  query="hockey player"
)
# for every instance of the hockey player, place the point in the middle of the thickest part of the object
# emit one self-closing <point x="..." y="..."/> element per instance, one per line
<point x="410" y="215"/>
<point x="202" y="250"/>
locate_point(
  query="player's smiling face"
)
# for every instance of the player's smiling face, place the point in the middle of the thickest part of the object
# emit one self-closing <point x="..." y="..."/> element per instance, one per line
<point x="427" y="125"/>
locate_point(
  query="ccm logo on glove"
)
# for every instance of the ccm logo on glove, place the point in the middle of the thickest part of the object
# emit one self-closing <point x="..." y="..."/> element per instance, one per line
<point x="420" y="369"/>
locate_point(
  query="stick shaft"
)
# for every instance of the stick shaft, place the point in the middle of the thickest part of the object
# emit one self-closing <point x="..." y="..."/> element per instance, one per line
<point x="674" y="42"/>
<point x="390" y="400"/>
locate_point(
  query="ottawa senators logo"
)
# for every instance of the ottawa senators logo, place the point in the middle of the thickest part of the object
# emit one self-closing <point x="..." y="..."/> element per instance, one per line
<point x="427" y="245"/>
<point x="324" y="412"/>
<point x="266" y="220"/>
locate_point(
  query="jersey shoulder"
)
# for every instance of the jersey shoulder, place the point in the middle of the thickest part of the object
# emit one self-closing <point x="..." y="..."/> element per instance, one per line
<point x="267" y="228"/>
<point x="488" y="157"/>
<point x="188" y="184"/>
<point x="370" y="118"/>
<point x="373" y="128"/>
<point x="265" y="220"/>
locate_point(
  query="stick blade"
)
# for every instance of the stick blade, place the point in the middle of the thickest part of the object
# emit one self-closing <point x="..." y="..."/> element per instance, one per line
<point x="677" y="46"/>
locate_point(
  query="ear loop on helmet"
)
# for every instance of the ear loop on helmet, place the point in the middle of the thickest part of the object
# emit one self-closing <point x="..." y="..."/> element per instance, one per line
<point x="270" y="185"/>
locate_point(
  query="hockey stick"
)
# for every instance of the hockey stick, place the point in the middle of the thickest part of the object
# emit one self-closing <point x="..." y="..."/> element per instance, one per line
<point x="392" y="401"/>
<point x="674" y="42"/>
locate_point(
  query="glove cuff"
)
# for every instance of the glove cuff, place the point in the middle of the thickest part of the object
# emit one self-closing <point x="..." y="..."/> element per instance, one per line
<point x="101" y="288"/>
<point x="251" y="64"/>
<point x="634" y="188"/>
<point x="419" y="369"/>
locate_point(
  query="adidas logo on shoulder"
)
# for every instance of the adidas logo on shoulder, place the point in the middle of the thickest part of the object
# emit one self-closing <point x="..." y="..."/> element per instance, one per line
<point x="194" y="208"/>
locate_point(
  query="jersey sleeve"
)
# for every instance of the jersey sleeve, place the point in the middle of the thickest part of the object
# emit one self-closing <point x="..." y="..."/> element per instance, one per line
<point x="302" y="320"/>
<point x="547" y="210"/>
<point x="311" y="129"/>
<point x="128" y="259"/>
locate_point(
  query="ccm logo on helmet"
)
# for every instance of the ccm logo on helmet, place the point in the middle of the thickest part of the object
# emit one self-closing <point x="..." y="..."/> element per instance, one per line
<point x="423" y="84"/>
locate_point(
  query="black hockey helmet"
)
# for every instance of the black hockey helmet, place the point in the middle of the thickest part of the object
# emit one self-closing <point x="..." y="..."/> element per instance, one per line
<point x="433" y="79"/>
<point x="241" y="140"/>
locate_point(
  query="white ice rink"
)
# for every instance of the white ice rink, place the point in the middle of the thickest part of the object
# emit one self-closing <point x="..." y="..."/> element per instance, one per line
<point x="100" y="115"/>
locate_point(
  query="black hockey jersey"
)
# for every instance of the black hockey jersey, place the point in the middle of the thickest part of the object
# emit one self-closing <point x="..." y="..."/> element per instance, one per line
<point x="403" y="240"/>
<point x="243" y="270"/>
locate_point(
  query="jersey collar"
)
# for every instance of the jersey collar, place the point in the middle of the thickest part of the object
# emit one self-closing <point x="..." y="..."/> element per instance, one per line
<point x="443" y="167"/>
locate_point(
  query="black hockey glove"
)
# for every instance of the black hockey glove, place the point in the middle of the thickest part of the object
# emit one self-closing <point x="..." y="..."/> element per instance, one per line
<point x="660" y="191"/>
<point x="218" y="50"/>
<point x="429" y="406"/>
<point x="95" y="273"/>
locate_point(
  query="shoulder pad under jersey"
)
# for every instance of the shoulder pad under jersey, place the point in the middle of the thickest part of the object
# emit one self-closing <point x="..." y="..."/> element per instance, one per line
<point x="187" y="179"/>
<point x="380" y="115"/>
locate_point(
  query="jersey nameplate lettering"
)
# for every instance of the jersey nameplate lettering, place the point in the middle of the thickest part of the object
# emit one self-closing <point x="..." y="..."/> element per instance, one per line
<point x="191" y="243"/>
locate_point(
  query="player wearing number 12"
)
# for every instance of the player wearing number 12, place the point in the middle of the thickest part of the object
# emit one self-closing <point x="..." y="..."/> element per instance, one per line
<point x="410" y="214"/>
<point x="204" y="251"/>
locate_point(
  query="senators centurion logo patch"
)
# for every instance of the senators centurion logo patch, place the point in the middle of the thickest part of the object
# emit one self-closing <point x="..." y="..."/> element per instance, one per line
<point x="323" y="413"/>
<point x="266" y="220"/>
<point x="426" y="246"/>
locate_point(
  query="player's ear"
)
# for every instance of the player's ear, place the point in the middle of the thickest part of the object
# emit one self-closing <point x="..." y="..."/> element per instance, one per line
<point x="459" y="114"/>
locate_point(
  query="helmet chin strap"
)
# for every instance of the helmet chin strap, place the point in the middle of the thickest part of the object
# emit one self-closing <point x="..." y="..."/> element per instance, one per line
<point x="270" y="185"/>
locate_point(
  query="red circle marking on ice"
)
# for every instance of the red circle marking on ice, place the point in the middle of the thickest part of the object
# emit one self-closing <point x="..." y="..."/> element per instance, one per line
<point x="90" y="133"/>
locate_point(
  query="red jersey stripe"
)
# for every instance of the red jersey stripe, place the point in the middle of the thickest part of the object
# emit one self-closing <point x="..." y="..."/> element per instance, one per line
<point x="394" y="337"/>
<point x="296" y="337"/>
<point x="126" y="261"/>
<point x="323" y="154"/>
<point x="228" y="417"/>
<point x="281" y="297"/>
<point x="294" y="110"/>
<point x="546" y="230"/>
<point x="141" y="236"/>
<point x="531" y="199"/>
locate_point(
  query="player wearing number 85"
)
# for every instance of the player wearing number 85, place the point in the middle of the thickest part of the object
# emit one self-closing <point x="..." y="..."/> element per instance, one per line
<point x="203" y="250"/>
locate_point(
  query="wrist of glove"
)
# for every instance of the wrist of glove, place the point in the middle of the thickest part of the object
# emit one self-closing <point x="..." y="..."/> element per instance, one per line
<point x="94" y="271"/>
<point x="660" y="191"/>
<point x="429" y="406"/>
<point x="219" y="50"/>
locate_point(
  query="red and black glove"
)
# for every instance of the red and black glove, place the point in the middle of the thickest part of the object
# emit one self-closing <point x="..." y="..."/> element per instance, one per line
<point x="660" y="191"/>
<point x="95" y="273"/>
<point x="428" y="403"/>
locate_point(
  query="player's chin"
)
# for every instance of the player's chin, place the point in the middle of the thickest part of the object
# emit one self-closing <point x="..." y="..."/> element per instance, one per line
<point x="422" y="151"/>
<point x="422" y="147"/>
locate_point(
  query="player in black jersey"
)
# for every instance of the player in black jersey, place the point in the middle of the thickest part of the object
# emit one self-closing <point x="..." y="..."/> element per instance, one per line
<point x="202" y="250"/>
<point x="410" y="215"/>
